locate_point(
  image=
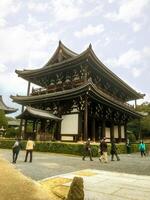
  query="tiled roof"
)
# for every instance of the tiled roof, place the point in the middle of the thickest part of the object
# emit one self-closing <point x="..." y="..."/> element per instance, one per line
<point x="34" y="113"/>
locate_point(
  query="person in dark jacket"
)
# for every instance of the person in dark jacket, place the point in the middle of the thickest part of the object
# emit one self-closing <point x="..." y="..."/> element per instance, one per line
<point x="113" y="151"/>
<point x="103" y="147"/>
<point x="87" y="150"/>
<point x="16" y="148"/>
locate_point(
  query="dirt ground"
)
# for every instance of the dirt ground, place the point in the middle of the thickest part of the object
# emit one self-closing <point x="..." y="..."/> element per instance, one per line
<point x="15" y="186"/>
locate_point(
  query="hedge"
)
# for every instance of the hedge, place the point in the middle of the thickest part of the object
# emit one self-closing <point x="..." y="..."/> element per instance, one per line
<point x="67" y="148"/>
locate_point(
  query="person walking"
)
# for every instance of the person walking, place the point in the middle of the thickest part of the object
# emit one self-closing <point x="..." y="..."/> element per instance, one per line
<point x="103" y="145"/>
<point x="29" y="149"/>
<point x="142" y="148"/>
<point x="15" y="149"/>
<point x="100" y="149"/>
<point x="128" y="145"/>
<point x="113" y="151"/>
<point x="87" y="150"/>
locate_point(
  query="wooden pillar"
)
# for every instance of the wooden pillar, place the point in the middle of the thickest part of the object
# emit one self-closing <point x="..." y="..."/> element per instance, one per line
<point x="93" y="129"/>
<point x="80" y="129"/>
<point x="135" y="103"/>
<point x="28" y="90"/>
<point x="125" y="130"/>
<point x="112" y="131"/>
<point x="25" y="129"/>
<point x="140" y="134"/>
<point x="21" y="125"/>
<point x="119" y="132"/>
<point x="103" y="129"/>
<point x="86" y="119"/>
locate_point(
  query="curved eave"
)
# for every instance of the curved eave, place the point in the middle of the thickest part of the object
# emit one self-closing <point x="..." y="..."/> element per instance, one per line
<point x="95" y="93"/>
<point x="29" y="74"/>
<point x="6" y="109"/>
<point x="64" y="49"/>
<point x="113" y="76"/>
<point x="66" y="94"/>
<point x="33" y="113"/>
<point x="11" y="110"/>
<point x="88" y="53"/>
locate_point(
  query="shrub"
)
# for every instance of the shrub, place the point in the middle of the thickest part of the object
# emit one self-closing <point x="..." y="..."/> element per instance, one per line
<point x="12" y="132"/>
<point x="67" y="148"/>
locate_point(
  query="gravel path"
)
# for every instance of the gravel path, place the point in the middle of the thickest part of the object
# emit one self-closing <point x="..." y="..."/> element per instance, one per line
<point x="48" y="164"/>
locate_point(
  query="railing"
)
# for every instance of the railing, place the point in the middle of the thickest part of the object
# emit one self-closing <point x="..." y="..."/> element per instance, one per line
<point x="57" y="87"/>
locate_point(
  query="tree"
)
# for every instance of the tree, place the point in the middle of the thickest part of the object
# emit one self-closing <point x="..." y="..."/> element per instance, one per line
<point x="3" y="120"/>
<point x="142" y="125"/>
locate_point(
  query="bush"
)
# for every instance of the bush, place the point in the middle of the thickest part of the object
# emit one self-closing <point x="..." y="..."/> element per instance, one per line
<point x="67" y="148"/>
<point x="12" y="132"/>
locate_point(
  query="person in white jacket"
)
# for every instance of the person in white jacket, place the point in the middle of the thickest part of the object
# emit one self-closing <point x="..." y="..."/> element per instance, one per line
<point x="29" y="149"/>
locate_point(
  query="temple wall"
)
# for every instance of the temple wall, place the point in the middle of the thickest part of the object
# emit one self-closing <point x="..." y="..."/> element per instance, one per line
<point x="107" y="133"/>
<point x="122" y="132"/>
<point x="116" y="135"/>
<point x="69" y="126"/>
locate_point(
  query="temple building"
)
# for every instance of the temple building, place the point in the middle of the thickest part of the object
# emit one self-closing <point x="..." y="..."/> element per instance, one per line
<point x="78" y="98"/>
<point x="5" y="108"/>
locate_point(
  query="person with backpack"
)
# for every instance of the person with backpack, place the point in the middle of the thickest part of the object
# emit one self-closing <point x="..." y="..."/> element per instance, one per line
<point x="142" y="148"/>
<point x="113" y="151"/>
<point x="87" y="150"/>
<point x="15" y="149"/>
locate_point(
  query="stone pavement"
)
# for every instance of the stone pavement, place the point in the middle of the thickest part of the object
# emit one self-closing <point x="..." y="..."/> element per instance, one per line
<point x="104" y="185"/>
<point x="49" y="164"/>
<point x="128" y="178"/>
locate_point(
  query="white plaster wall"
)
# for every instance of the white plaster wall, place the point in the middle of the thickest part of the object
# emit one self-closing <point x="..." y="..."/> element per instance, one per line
<point x="69" y="124"/>
<point x="67" y="138"/>
<point x="122" y="132"/>
<point x="116" y="135"/>
<point x="107" y="132"/>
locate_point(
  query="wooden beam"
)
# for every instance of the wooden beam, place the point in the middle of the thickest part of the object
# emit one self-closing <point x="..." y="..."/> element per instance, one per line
<point x="86" y="119"/>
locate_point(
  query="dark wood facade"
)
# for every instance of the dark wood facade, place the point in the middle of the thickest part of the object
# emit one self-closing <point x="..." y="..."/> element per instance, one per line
<point x="81" y="86"/>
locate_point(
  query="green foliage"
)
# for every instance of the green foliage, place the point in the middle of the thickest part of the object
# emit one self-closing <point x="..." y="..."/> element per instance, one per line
<point x="144" y="107"/>
<point x="12" y="132"/>
<point x="3" y="119"/>
<point x="131" y="137"/>
<point x="133" y="127"/>
<point x="76" y="191"/>
<point x="141" y="126"/>
<point x="66" y="148"/>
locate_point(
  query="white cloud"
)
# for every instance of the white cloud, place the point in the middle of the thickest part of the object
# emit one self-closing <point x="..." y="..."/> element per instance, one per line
<point x="38" y="6"/>
<point x="136" y="27"/>
<point x="129" y="10"/>
<point x="2" y="68"/>
<point x="14" y="84"/>
<point x="6" y="8"/>
<point x="89" y="31"/>
<point x="129" y="58"/>
<point x="65" y="10"/>
<point x="22" y="44"/>
<point x="133" y="60"/>
<point x="136" y="72"/>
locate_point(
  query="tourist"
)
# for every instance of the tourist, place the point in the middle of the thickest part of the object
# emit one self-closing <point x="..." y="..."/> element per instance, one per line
<point x="128" y="145"/>
<point x="16" y="148"/>
<point x="29" y="149"/>
<point x="100" y="149"/>
<point x="87" y="150"/>
<point x="103" y="157"/>
<point x="113" y="151"/>
<point x="142" y="148"/>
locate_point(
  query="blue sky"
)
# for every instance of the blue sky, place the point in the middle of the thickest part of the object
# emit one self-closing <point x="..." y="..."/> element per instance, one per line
<point x="118" y="30"/>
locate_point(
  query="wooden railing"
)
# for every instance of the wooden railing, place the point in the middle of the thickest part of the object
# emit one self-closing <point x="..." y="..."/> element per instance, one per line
<point x="57" y="87"/>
